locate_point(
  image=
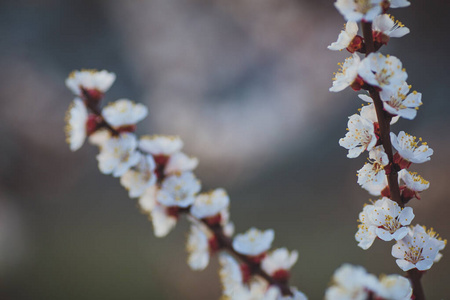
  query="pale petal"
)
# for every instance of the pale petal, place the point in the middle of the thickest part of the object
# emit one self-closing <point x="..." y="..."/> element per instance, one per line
<point x="399" y="32"/>
<point x="398" y="251"/>
<point x="424" y="264"/>
<point x="365" y="98"/>
<point x="408" y="113"/>
<point x="400" y="233"/>
<point x="384" y="234"/>
<point x="413" y="100"/>
<point x="405" y="265"/>
<point x="406" y="216"/>
<point x="355" y="152"/>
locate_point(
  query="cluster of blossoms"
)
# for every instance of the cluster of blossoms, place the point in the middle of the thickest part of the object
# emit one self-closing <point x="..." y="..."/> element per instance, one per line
<point x="386" y="173"/>
<point x="156" y="171"/>
<point x="352" y="282"/>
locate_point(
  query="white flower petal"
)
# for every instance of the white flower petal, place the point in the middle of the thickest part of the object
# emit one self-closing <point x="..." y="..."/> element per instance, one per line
<point x="405" y="265"/>
<point x="76" y="118"/>
<point x="254" y="242"/>
<point x="124" y="112"/>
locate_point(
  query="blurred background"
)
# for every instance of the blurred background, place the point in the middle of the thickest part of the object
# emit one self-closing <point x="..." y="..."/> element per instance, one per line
<point x="245" y="84"/>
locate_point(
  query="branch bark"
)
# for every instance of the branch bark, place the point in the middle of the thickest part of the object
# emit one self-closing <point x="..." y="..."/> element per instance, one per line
<point x="384" y="120"/>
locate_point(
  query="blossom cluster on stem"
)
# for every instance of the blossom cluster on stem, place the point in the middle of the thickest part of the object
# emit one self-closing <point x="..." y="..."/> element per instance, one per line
<point x="154" y="170"/>
<point x="388" y="98"/>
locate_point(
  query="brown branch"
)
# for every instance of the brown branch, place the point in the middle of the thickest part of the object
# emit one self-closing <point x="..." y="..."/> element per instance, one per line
<point x="384" y="120"/>
<point x="415" y="275"/>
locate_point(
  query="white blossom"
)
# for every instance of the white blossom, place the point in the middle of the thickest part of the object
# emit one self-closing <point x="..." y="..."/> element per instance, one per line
<point x="360" y="136"/>
<point x="100" y="81"/>
<point x="257" y="289"/>
<point x="179" y="190"/>
<point x="385" y="220"/>
<point x="162" y="221"/>
<point x="387" y="25"/>
<point x="210" y="204"/>
<point x="118" y="155"/>
<point x="409" y="149"/>
<point x="198" y="248"/>
<point x="390" y="219"/>
<point x="375" y="189"/>
<point x="357" y="10"/>
<point x="439" y="241"/>
<point x="413" y="181"/>
<point x="354" y="283"/>
<point x="394" y="287"/>
<point x="279" y="259"/>
<point x="160" y="144"/>
<point x="372" y="176"/>
<point x="347" y="73"/>
<point x="230" y="274"/>
<point x="124" y="112"/>
<point x="345" y="37"/>
<point x="385" y="72"/>
<point x="401" y="104"/>
<point x="180" y="162"/>
<point x="137" y="180"/>
<point x="369" y="112"/>
<point x="254" y="242"/>
<point x="76" y="118"/>
<point x="418" y="249"/>
<point x="366" y="234"/>
<point x="351" y="283"/>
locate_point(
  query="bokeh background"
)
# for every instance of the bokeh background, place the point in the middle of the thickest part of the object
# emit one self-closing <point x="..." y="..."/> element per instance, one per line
<point x="245" y="84"/>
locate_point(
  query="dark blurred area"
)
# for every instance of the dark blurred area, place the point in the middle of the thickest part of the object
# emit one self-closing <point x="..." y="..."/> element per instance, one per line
<point x="245" y="84"/>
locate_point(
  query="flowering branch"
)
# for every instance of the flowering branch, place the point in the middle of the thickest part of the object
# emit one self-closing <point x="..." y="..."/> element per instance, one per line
<point x="384" y="120"/>
<point x="223" y="242"/>
<point x="155" y="170"/>
<point x="384" y="78"/>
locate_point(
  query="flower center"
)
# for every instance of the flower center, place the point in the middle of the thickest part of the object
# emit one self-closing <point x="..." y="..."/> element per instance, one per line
<point x="414" y="255"/>
<point x="363" y="6"/>
<point x="383" y="77"/>
<point x="396" y="101"/>
<point x="391" y="224"/>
